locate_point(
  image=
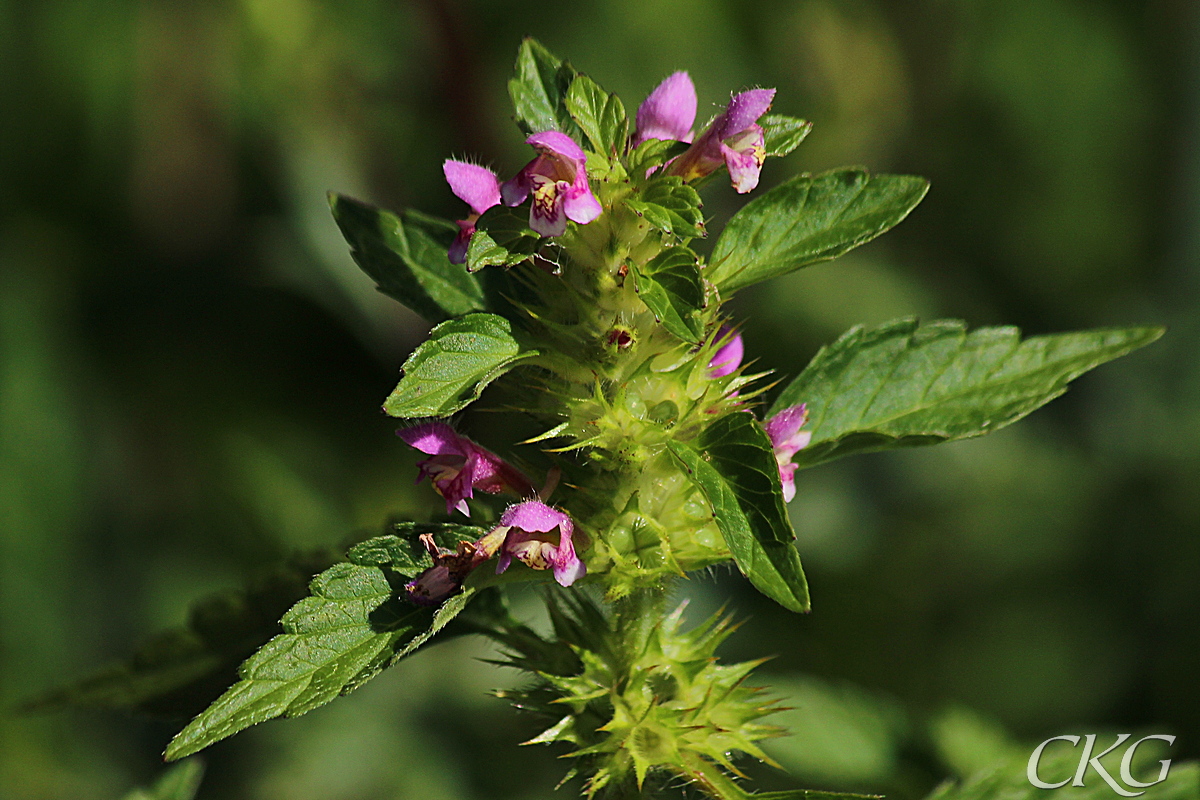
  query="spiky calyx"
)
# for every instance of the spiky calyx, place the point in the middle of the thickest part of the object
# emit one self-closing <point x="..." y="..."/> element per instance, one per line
<point x="637" y="707"/>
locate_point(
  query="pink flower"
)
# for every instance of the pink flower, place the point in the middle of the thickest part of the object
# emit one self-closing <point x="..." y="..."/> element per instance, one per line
<point x="728" y="356"/>
<point x="734" y="139"/>
<point x="531" y="539"/>
<point x="479" y="188"/>
<point x="557" y="179"/>
<point x="787" y="439"/>
<point x="668" y="112"/>
<point x="459" y="466"/>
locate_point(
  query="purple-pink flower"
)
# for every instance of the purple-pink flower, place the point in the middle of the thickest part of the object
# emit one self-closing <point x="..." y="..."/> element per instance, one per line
<point x="728" y="356"/>
<point x="734" y="139"/>
<point x="787" y="439"/>
<point x="668" y="112"/>
<point x="479" y="188"/>
<point x="557" y="179"/>
<point x="458" y="466"/>
<point x="540" y="537"/>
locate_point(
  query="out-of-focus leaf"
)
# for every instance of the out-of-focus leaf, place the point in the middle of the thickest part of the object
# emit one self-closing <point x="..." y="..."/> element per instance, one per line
<point x="179" y="672"/>
<point x="406" y="257"/>
<point x="808" y="219"/>
<point x="783" y="134"/>
<point x="180" y="782"/>
<point x="354" y="624"/>
<point x="539" y="89"/>
<point x="670" y="205"/>
<point x="502" y="238"/>
<point x="671" y="287"/>
<point x="903" y="384"/>
<point x="600" y="115"/>
<point x="734" y="466"/>
<point x="450" y="369"/>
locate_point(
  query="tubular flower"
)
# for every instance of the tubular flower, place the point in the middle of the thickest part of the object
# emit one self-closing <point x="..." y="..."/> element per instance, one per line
<point x="668" y="112"/>
<point x="557" y="178"/>
<point x="734" y="139"/>
<point x="529" y="537"/>
<point x="728" y="356"/>
<point x="458" y="466"/>
<point x="450" y="568"/>
<point x="787" y="439"/>
<point x="479" y="188"/>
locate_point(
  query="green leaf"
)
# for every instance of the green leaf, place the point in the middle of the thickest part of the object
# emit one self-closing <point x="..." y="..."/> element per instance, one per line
<point x="406" y="257"/>
<point x="671" y="287"/>
<point x="600" y="115"/>
<point x="808" y="219"/>
<point x="902" y="384"/>
<point x="352" y="626"/>
<point x="653" y="153"/>
<point x="450" y="369"/>
<point x="734" y="465"/>
<point x="180" y="671"/>
<point x="502" y="238"/>
<point x="783" y="134"/>
<point x="539" y="88"/>
<point x="670" y="205"/>
<point x="180" y="782"/>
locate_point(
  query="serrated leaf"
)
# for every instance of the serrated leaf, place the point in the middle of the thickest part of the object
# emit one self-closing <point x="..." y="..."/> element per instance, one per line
<point x="406" y="257"/>
<point x="600" y="115"/>
<point x="734" y="466"/>
<point x="653" y="153"/>
<point x="783" y="134"/>
<point x="903" y="384"/>
<point x="352" y="626"/>
<point x="670" y="205"/>
<point x="671" y="287"/>
<point x="502" y="238"/>
<point x="808" y="219"/>
<point x="180" y="782"/>
<point x="450" y="369"/>
<point x="538" y="90"/>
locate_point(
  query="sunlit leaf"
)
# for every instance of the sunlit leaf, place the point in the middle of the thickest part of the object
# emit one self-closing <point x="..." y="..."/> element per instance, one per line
<point x="783" y="134"/>
<point x="808" y="219"/>
<point x="671" y="287"/>
<point x="904" y="384"/>
<point x="450" y="369"/>
<point x="600" y="115"/>
<point x="670" y="205"/>
<point x="734" y="466"/>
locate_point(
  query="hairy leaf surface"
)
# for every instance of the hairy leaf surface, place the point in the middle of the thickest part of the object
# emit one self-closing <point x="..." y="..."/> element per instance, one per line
<point x="808" y="219"/>
<point x="734" y="466"/>
<point x="353" y="625"/>
<point x="450" y="369"/>
<point x="783" y="134"/>
<point x="904" y="384"/>
<point x="406" y="257"/>
<point x="600" y="115"/>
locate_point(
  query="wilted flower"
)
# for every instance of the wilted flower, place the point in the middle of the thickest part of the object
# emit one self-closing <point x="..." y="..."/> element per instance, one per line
<point x="450" y="568"/>
<point x="728" y="356"/>
<point x="479" y="188"/>
<point x="557" y="178"/>
<point x="668" y="112"/>
<point x="734" y="139"/>
<point x="530" y="538"/>
<point x="787" y="439"/>
<point x="458" y="466"/>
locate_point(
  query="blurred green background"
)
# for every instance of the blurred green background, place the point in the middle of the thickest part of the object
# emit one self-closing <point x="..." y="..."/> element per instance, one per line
<point x="191" y="366"/>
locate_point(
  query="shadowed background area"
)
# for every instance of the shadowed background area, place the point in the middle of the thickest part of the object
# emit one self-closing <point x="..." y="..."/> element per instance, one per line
<point x="191" y="366"/>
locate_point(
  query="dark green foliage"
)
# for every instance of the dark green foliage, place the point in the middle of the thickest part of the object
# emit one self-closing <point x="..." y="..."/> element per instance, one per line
<point x="809" y="219"/>
<point x="904" y="384"/>
<point x="355" y="623"/>
<point x="670" y="205"/>
<point x="180" y="782"/>
<point x="406" y="257"/>
<point x="538" y="88"/>
<point x="734" y="465"/>
<point x="450" y="369"/>
<point x="502" y="238"/>
<point x="670" y="286"/>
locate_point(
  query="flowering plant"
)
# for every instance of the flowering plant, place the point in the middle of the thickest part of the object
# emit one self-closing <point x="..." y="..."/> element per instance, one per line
<point x="638" y="445"/>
